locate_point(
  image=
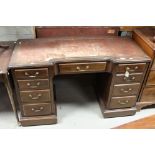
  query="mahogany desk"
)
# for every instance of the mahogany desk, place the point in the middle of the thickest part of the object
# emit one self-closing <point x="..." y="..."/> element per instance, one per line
<point x="119" y="64"/>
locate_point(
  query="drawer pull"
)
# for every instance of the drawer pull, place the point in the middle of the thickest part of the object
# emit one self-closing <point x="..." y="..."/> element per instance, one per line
<point x="123" y="103"/>
<point x="37" y="110"/>
<point x="32" y="76"/>
<point x="129" y="79"/>
<point x="126" y="91"/>
<point x="79" y="69"/>
<point x="36" y="97"/>
<point x="37" y="84"/>
<point x="132" y="70"/>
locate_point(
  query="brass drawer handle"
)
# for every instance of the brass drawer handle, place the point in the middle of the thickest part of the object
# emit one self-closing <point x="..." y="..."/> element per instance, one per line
<point x="129" y="79"/>
<point x="37" y="110"/>
<point x="37" y="84"/>
<point x="126" y="91"/>
<point x="79" y="69"/>
<point x="36" y="97"/>
<point x="124" y="102"/>
<point x="132" y="70"/>
<point x="32" y="76"/>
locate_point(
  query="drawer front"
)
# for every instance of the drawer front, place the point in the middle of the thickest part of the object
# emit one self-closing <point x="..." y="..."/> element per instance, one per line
<point x="122" y="102"/>
<point x="133" y="78"/>
<point x="31" y="73"/>
<point x="37" y="109"/>
<point x="131" y="68"/>
<point x="126" y="89"/>
<point x="35" y="96"/>
<point x="33" y="84"/>
<point x="148" y="95"/>
<point x="151" y="78"/>
<point x="82" y="67"/>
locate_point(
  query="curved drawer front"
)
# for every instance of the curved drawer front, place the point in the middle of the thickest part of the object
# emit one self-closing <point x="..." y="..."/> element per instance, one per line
<point x="122" y="102"/>
<point x="35" y="96"/>
<point x="33" y="84"/>
<point x="125" y="89"/>
<point x="133" y="78"/>
<point x="37" y="109"/>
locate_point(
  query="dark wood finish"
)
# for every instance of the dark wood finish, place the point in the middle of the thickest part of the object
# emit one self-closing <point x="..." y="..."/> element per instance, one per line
<point x="122" y="102"/>
<point x="143" y="123"/>
<point x="145" y="38"/>
<point x="69" y="68"/>
<point x="35" y="96"/>
<point x="93" y="54"/>
<point x="126" y="89"/>
<point x="131" y="68"/>
<point x="133" y="78"/>
<point x="33" y="84"/>
<point x="37" y="109"/>
<point x="31" y="73"/>
<point x="38" y="120"/>
<point x="57" y="31"/>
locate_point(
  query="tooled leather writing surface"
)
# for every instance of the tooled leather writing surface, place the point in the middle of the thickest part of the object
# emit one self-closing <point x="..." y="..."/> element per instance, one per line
<point x="43" y="51"/>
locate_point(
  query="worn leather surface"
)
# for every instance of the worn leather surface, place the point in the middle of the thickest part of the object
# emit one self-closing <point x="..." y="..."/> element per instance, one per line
<point x="45" y="51"/>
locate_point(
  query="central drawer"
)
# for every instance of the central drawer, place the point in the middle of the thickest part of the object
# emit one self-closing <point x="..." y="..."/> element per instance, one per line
<point x="126" y="89"/>
<point x="33" y="84"/>
<point x="82" y="67"/>
<point x="35" y="96"/>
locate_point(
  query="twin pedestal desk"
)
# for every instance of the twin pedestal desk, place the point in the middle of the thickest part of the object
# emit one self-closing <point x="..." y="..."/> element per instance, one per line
<point x="119" y="65"/>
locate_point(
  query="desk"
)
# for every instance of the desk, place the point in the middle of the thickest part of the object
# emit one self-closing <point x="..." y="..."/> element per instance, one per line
<point x="119" y="64"/>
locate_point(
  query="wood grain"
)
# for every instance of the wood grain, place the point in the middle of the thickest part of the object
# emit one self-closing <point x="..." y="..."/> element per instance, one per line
<point x="143" y="123"/>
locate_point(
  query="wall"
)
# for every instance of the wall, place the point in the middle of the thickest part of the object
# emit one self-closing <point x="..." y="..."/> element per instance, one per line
<point x="13" y="33"/>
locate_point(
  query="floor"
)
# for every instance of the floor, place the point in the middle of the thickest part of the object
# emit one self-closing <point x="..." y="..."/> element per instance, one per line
<point x="77" y="108"/>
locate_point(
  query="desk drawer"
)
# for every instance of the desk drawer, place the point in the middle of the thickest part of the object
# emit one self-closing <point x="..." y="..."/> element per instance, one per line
<point x="126" y="89"/>
<point x="133" y="78"/>
<point x="37" y="109"/>
<point x="33" y="84"/>
<point x="122" y="102"/>
<point x="31" y="73"/>
<point x="82" y="67"/>
<point x="35" y="96"/>
<point x="131" y="68"/>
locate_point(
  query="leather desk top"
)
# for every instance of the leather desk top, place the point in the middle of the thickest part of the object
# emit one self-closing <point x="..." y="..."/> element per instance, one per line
<point x="46" y="51"/>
